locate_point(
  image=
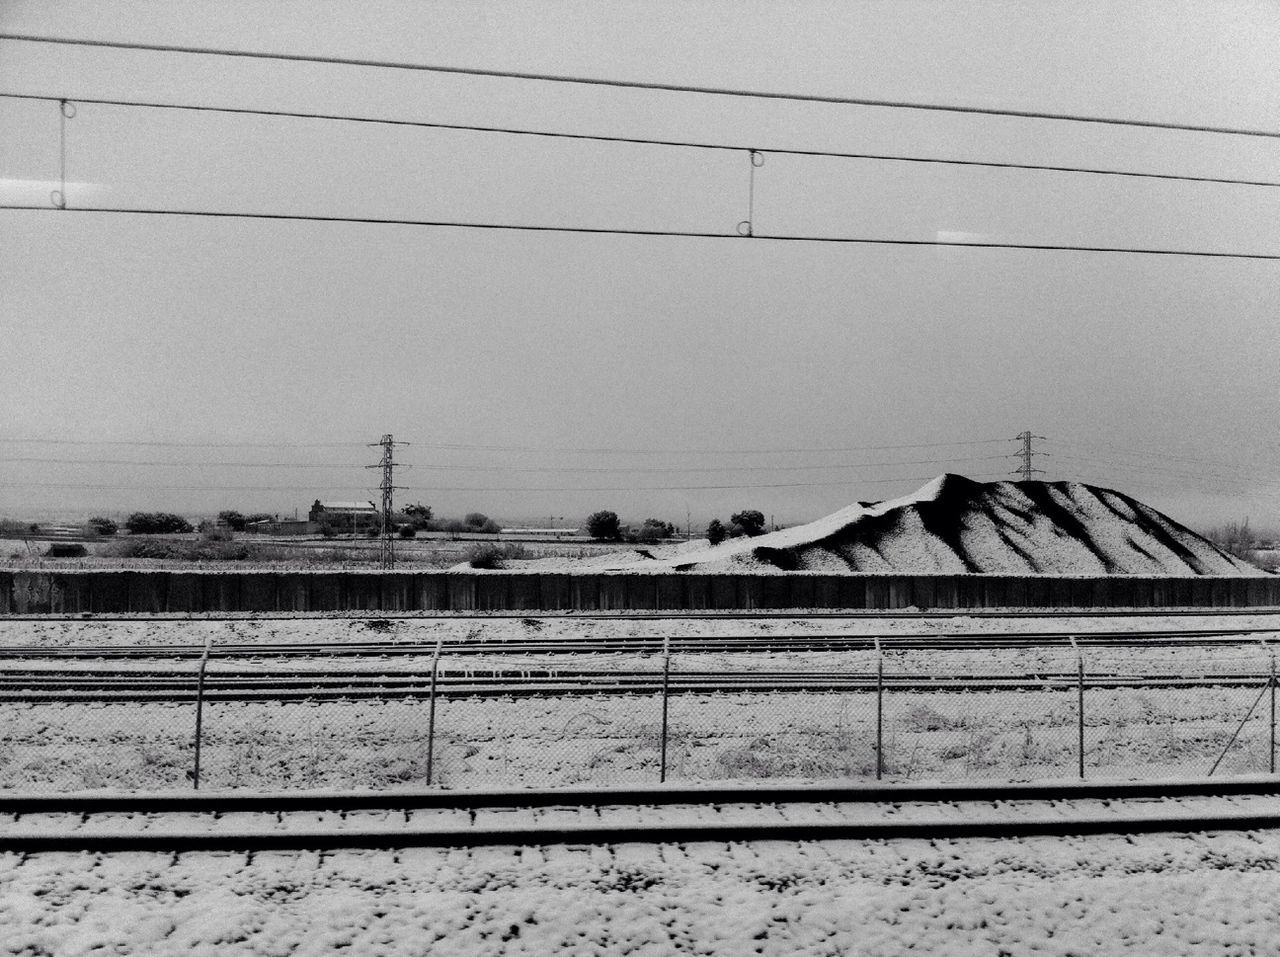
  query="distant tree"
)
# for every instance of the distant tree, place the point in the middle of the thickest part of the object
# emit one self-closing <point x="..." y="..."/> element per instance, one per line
<point x="1235" y="538"/>
<point x="419" y="515"/>
<point x="156" y="523"/>
<point x="604" y="525"/>
<point x="716" y="532"/>
<point x="103" y="526"/>
<point x="233" y="520"/>
<point x="653" y="530"/>
<point x="453" y="527"/>
<point x="750" y="521"/>
<point x="213" y="532"/>
<point x="407" y="531"/>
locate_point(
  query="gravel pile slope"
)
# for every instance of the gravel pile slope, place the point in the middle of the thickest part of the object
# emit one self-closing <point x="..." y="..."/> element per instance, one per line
<point x="955" y="525"/>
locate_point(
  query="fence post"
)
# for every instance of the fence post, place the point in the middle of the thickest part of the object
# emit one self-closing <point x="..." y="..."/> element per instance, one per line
<point x="1273" y="713"/>
<point x="879" y="711"/>
<point x="1079" y="707"/>
<point x="666" y="684"/>
<point x="204" y="663"/>
<point x="431" y="711"/>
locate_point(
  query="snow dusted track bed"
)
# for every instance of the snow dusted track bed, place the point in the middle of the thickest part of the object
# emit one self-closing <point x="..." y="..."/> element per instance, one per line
<point x="1179" y="870"/>
<point x="307" y="703"/>
<point x="1157" y="872"/>
<point x="634" y="815"/>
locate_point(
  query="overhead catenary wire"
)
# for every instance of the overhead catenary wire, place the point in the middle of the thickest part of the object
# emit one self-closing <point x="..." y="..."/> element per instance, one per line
<point x="650" y="141"/>
<point x="635" y="84"/>
<point x="621" y="231"/>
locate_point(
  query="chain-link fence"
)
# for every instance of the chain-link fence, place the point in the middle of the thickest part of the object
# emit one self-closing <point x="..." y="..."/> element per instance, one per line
<point x="891" y="712"/>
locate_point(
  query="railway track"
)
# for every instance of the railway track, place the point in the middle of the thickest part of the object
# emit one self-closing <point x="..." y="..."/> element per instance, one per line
<point x="40" y="686"/>
<point x="174" y="823"/>
<point x="658" y="644"/>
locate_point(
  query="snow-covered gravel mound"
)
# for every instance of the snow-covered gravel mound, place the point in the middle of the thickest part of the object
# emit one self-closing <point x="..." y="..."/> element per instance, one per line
<point x="954" y="525"/>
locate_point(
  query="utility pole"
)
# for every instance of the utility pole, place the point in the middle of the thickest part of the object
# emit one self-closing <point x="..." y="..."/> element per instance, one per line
<point x="1025" y="469"/>
<point x="386" y="550"/>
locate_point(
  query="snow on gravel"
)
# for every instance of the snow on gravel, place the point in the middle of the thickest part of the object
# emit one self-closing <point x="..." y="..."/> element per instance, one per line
<point x="953" y="525"/>
<point x="1017" y="734"/>
<point x="194" y="631"/>
<point x="719" y="813"/>
<point x="1159" y="895"/>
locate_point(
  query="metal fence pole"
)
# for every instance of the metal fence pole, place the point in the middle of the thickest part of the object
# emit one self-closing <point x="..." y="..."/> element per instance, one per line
<point x="1273" y="714"/>
<point x="879" y="711"/>
<point x="666" y="698"/>
<point x="431" y="711"/>
<point x="204" y="663"/>
<point x="1079" y="707"/>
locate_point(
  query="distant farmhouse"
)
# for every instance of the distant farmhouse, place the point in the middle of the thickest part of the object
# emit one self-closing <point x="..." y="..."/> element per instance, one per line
<point x="342" y="516"/>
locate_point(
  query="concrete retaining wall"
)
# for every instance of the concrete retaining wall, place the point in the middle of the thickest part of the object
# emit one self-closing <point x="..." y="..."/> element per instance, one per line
<point x="142" y="592"/>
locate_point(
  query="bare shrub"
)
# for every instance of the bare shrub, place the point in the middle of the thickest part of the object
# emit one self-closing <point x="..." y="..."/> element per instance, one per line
<point x="493" y="556"/>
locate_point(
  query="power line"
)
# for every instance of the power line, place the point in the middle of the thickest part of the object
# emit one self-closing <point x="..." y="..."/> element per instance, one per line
<point x="642" y="141"/>
<point x="618" y="231"/>
<point x="387" y="549"/>
<point x="33" y="460"/>
<point x="185" y="488"/>
<point x="1207" y="477"/>
<point x="1139" y="451"/>
<point x="636" y="84"/>
<point x="631" y="450"/>
<point x="438" y="488"/>
<point x="1026" y="469"/>
<point x="690" y="488"/>
<point x="184" y="445"/>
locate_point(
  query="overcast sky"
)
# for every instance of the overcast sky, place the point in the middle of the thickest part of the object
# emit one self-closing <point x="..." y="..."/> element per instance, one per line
<point x="550" y="374"/>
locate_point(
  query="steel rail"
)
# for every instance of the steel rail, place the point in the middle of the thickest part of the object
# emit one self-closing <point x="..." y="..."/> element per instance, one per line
<point x="823" y="792"/>
<point x="608" y="685"/>
<point x="982" y="821"/>
<point x="998" y="826"/>
<point x="654" y="644"/>
<point x="109" y="679"/>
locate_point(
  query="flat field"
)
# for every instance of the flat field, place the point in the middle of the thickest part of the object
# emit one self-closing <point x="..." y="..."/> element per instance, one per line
<point x="177" y="552"/>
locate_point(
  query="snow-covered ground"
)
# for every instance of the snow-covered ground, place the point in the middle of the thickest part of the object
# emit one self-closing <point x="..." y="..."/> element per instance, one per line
<point x="1151" y="896"/>
<point x="194" y="631"/>
<point x="614" y="739"/>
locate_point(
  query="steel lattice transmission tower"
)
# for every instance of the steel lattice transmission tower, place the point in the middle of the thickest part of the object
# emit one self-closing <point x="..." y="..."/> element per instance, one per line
<point x="1026" y="470"/>
<point x="387" y="548"/>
